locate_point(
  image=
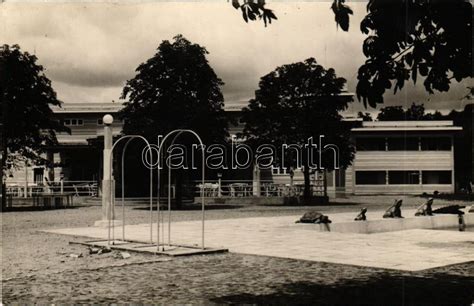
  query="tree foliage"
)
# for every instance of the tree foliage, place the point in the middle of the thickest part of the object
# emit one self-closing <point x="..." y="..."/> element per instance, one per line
<point x="430" y="38"/>
<point x="295" y="102"/>
<point x="365" y="116"/>
<point x="176" y="88"/>
<point x="407" y="39"/>
<point x="27" y="95"/>
<point x="253" y="9"/>
<point x="414" y="112"/>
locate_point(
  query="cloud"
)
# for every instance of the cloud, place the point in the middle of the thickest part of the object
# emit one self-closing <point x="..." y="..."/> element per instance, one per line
<point x="89" y="50"/>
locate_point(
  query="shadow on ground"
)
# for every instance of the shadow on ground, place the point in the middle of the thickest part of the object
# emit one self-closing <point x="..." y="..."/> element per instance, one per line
<point x="440" y="289"/>
<point x="33" y="208"/>
<point x="194" y="207"/>
<point x="331" y="204"/>
<point x="452" y="197"/>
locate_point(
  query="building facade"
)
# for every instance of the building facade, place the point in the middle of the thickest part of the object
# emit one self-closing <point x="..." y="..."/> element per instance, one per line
<point x="392" y="157"/>
<point x="403" y="157"/>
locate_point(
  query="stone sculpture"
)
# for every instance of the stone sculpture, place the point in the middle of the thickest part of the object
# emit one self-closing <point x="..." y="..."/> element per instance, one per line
<point x="314" y="217"/>
<point x="394" y="211"/>
<point x="361" y="216"/>
<point x="450" y="209"/>
<point x="425" y="209"/>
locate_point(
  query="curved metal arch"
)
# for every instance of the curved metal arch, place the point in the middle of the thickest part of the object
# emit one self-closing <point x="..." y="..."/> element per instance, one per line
<point x="180" y="132"/>
<point x="169" y="198"/>
<point x="112" y="196"/>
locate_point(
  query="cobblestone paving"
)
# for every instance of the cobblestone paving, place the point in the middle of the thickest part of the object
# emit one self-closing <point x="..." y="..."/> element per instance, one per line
<point x="248" y="279"/>
<point x="36" y="268"/>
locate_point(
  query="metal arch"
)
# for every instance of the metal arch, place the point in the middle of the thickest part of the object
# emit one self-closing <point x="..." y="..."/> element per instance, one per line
<point x="169" y="190"/>
<point x="169" y="198"/>
<point x="181" y="131"/>
<point x="112" y="196"/>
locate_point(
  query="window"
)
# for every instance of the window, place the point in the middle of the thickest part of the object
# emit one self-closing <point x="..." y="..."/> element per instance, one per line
<point x="100" y="122"/>
<point x="436" y="177"/>
<point x="436" y="144"/>
<point x="370" y="178"/>
<point x="403" y="177"/>
<point x="402" y="144"/>
<point x="370" y="144"/>
<point x="278" y="170"/>
<point x="73" y="122"/>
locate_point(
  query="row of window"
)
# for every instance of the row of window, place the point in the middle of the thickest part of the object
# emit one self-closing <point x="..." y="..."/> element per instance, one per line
<point x="403" y="144"/>
<point x="403" y="177"/>
<point x="78" y="122"/>
<point x="72" y="122"/>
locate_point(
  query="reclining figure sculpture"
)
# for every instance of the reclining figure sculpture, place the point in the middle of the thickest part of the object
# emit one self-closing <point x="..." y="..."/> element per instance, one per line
<point x="394" y="211"/>
<point x="450" y="209"/>
<point x="361" y="216"/>
<point x="314" y="217"/>
<point x="425" y="209"/>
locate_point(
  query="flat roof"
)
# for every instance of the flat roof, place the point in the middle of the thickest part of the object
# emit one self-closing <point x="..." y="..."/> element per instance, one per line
<point x="85" y="107"/>
<point x="113" y="107"/>
<point x="422" y="125"/>
<point x="110" y="107"/>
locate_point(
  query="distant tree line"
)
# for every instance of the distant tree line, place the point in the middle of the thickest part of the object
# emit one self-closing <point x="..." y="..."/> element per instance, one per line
<point x="414" y="112"/>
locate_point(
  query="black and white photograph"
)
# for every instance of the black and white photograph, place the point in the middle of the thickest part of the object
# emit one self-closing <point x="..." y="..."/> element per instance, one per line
<point x="244" y="152"/>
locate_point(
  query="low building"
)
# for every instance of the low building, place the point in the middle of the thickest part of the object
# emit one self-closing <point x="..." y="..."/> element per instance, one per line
<point x="74" y="159"/>
<point x="403" y="157"/>
<point x="393" y="157"/>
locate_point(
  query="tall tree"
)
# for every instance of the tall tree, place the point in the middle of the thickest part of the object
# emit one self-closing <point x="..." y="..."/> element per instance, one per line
<point x="295" y="102"/>
<point x="26" y="94"/>
<point x="406" y="38"/>
<point x="175" y="89"/>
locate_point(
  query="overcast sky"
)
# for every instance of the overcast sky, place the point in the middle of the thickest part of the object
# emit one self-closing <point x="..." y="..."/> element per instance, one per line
<point x="89" y="50"/>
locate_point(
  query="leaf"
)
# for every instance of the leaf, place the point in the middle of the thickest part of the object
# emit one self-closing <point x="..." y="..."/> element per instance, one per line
<point x="270" y="14"/>
<point x="341" y="12"/>
<point x="254" y="7"/>
<point x="414" y="72"/>
<point x="244" y="13"/>
<point x="252" y="15"/>
<point x="235" y="4"/>
<point x="423" y="69"/>
<point x="409" y="58"/>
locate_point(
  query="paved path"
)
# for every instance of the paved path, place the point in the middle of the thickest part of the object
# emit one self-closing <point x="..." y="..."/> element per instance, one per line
<point x="409" y="250"/>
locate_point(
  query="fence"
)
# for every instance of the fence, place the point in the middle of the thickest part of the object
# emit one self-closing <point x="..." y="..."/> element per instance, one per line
<point x="75" y="188"/>
<point x="226" y="188"/>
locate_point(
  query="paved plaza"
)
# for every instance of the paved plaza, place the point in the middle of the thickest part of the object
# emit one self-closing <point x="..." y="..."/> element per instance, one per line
<point x="408" y="250"/>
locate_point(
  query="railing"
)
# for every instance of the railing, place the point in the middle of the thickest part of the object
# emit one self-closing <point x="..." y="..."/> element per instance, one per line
<point x="213" y="189"/>
<point x="31" y="189"/>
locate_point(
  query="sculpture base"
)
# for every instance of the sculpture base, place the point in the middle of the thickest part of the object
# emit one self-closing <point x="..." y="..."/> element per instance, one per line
<point x="105" y="223"/>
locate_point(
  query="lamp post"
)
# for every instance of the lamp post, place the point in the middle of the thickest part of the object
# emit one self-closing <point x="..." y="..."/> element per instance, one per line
<point x="219" y="183"/>
<point x="107" y="180"/>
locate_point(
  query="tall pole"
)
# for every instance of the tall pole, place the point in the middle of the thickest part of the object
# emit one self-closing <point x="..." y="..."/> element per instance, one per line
<point x="107" y="176"/>
<point x="107" y="181"/>
<point x="26" y="179"/>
